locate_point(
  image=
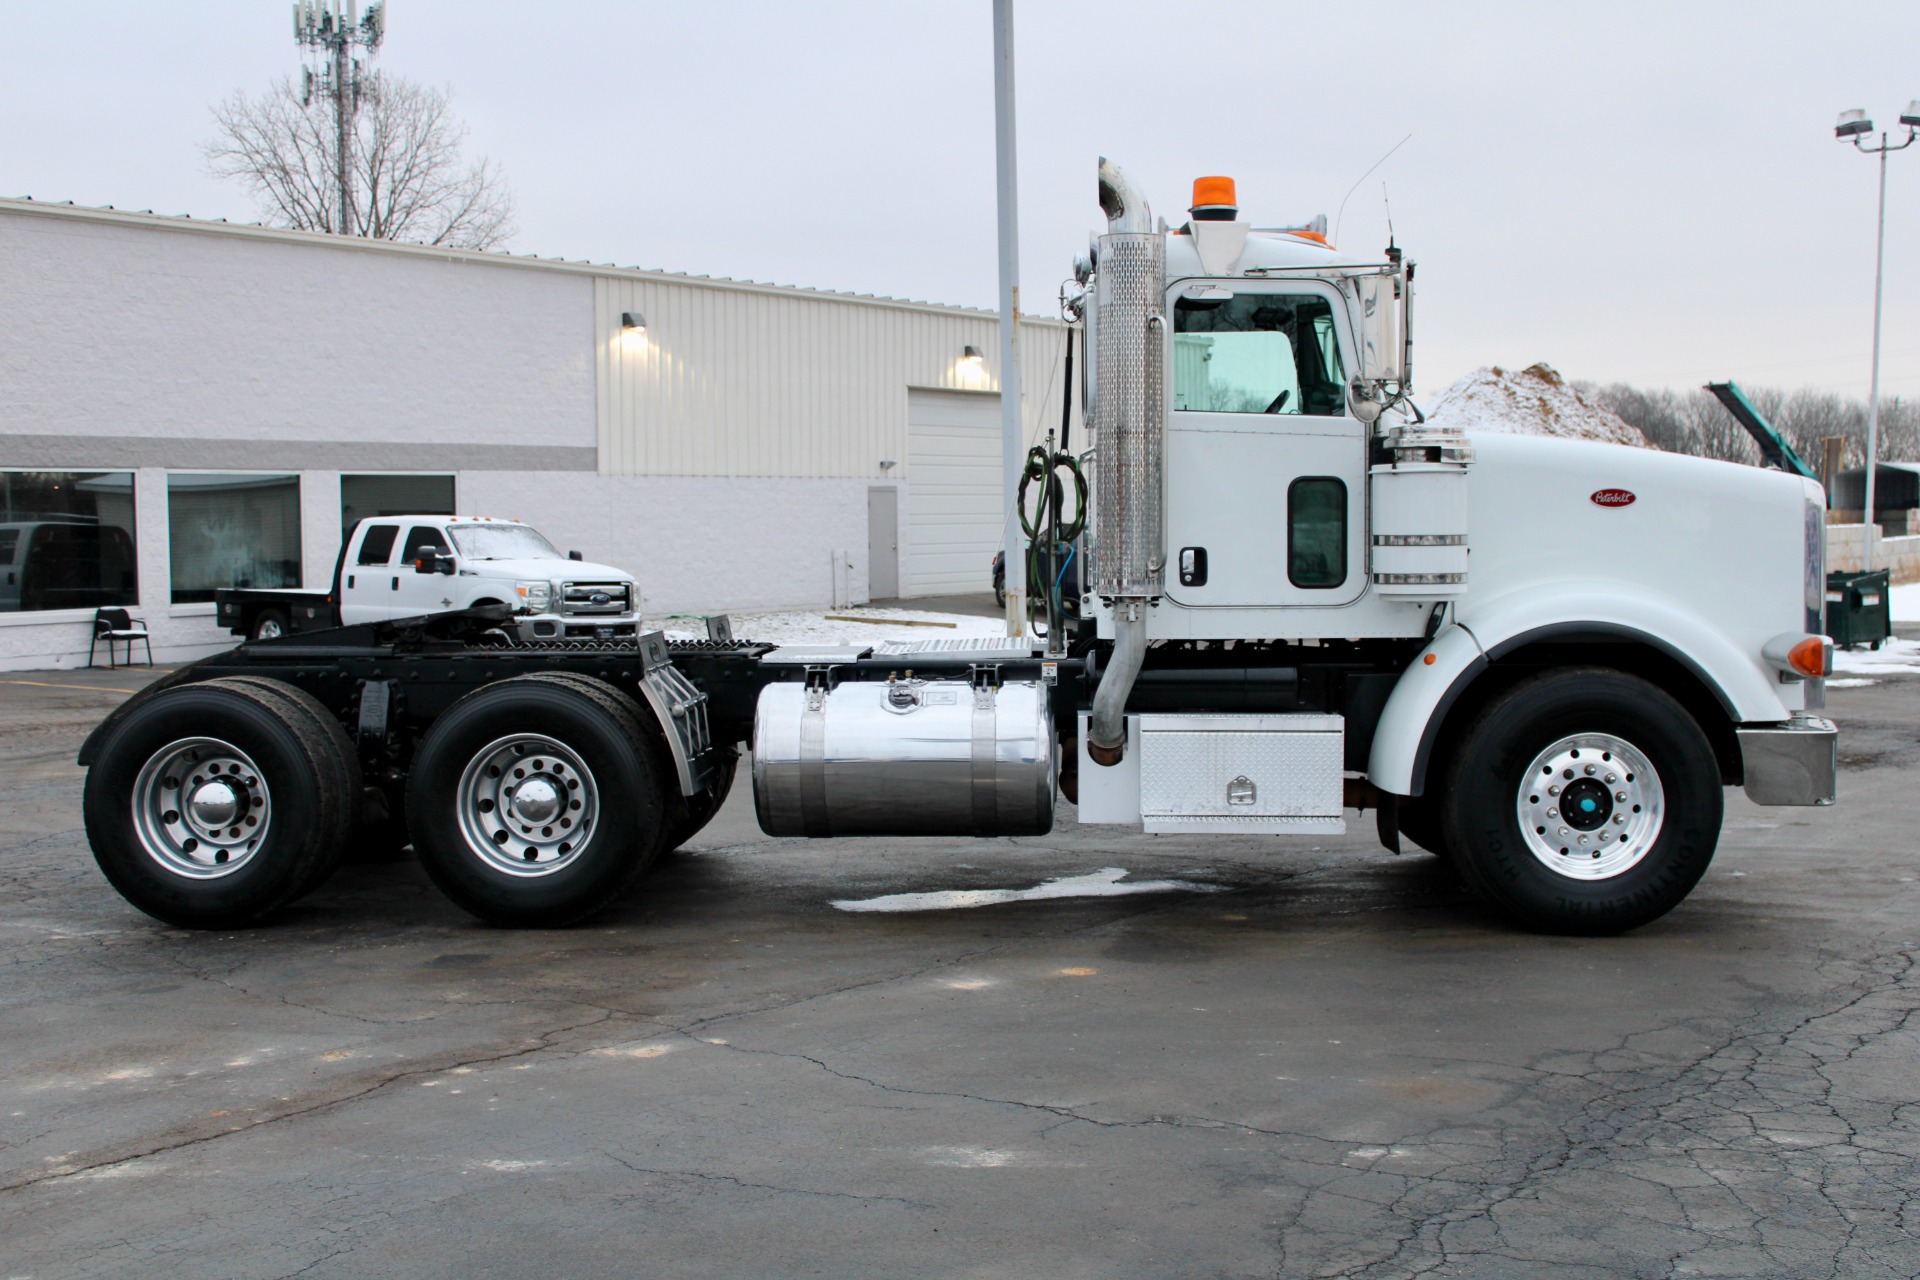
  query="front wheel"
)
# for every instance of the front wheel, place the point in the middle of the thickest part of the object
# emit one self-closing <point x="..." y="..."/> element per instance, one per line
<point x="1582" y="801"/>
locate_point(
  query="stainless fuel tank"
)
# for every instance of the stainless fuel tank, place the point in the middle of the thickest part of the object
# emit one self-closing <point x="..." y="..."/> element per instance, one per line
<point x="908" y="758"/>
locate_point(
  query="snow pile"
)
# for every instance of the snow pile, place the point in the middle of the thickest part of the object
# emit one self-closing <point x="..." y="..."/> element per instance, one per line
<point x="1536" y="401"/>
<point x="856" y="624"/>
<point x="1894" y="658"/>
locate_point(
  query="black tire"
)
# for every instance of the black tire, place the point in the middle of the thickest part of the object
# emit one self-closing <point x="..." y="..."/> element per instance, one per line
<point x="641" y="723"/>
<point x="588" y="749"/>
<point x="692" y="813"/>
<point x="268" y="624"/>
<point x="1596" y="882"/>
<point x="299" y="705"/>
<point x="161" y="867"/>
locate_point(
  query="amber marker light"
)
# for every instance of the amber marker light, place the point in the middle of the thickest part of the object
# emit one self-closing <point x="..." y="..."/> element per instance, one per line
<point x="1812" y="657"/>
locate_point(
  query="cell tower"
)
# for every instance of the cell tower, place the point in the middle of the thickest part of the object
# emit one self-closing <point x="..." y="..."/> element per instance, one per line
<point x="331" y="31"/>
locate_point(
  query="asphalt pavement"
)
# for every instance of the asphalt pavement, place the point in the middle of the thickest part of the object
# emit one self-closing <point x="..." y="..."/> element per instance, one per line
<point x="1294" y="1058"/>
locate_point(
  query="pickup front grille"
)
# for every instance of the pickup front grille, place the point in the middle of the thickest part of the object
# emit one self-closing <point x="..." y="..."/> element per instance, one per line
<point x="588" y="599"/>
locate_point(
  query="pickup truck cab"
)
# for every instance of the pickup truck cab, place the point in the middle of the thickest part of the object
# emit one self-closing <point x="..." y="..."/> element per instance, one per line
<point x="411" y="566"/>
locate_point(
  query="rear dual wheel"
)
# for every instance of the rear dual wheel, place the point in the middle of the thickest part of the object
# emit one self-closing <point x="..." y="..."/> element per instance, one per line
<point x="213" y="805"/>
<point x="540" y="799"/>
<point x="1581" y="801"/>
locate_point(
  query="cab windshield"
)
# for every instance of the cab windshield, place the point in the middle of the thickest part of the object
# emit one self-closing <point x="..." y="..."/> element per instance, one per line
<point x="501" y="542"/>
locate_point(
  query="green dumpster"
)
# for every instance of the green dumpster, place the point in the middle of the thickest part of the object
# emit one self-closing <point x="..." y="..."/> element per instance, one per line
<point x="1859" y="608"/>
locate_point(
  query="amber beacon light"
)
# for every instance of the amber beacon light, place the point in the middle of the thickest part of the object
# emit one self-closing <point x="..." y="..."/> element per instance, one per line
<point x="1214" y="200"/>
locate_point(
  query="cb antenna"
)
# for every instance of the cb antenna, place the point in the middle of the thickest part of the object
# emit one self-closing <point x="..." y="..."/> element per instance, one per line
<point x="331" y="30"/>
<point x="1356" y="185"/>
<point x="1387" y="200"/>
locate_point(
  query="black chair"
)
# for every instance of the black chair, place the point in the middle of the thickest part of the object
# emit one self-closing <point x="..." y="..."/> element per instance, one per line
<point x="117" y="626"/>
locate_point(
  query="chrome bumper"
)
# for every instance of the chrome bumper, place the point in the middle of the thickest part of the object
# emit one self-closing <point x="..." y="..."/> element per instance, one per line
<point x="1792" y="763"/>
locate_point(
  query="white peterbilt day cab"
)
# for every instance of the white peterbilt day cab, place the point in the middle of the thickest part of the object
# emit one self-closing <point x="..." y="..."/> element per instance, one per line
<point x="410" y="566"/>
<point x="1542" y="660"/>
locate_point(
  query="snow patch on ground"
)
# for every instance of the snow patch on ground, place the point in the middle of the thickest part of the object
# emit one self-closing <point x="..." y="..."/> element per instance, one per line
<point x="1535" y="401"/>
<point x="1108" y="882"/>
<point x="857" y="624"/>
<point x="1895" y="657"/>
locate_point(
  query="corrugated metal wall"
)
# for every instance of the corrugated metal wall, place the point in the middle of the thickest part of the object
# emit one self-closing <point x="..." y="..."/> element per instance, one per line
<point x="738" y="381"/>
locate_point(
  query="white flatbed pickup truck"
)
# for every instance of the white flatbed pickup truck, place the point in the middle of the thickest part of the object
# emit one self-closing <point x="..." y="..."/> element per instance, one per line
<point x="411" y="566"/>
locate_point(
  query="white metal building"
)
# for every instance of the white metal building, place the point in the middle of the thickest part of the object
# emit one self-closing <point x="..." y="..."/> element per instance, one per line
<point x="186" y="405"/>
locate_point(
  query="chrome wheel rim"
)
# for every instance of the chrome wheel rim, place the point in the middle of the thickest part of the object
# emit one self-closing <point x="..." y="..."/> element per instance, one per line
<point x="1591" y="806"/>
<point x="268" y="630"/>
<point x="201" y="808"/>
<point x="527" y="804"/>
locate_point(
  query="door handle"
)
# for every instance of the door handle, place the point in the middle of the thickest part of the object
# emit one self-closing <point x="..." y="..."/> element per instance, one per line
<point x="1193" y="566"/>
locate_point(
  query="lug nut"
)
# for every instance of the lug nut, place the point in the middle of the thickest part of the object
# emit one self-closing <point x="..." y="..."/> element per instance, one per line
<point x="1554" y="790"/>
<point x="1619" y="819"/>
<point x="1553" y="813"/>
<point x="1620" y="796"/>
<point x="1590" y="771"/>
<point x="1609" y="779"/>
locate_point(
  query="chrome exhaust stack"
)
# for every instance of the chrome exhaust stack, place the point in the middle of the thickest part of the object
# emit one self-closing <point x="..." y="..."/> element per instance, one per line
<point x="1129" y="422"/>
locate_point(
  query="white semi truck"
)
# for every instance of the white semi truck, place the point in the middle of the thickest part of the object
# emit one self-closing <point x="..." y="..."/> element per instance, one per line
<point x="1542" y="660"/>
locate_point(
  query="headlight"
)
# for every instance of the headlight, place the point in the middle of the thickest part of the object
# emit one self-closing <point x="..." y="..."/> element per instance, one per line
<point x="537" y="596"/>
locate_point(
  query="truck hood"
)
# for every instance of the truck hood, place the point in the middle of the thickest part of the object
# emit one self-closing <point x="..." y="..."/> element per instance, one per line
<point x="549" y="570"/>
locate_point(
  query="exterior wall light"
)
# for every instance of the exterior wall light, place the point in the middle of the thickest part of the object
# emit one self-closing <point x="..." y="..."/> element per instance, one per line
<point x="973" y="357"/>
<point x="888" y="464"/>
<point x="633" y="322"/>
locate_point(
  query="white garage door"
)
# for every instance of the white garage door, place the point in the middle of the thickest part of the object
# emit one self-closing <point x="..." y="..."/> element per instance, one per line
<point x="953" y="491"/>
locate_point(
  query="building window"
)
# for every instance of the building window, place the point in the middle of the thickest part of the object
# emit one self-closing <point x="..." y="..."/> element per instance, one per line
<point x="363" y="496"/>
<point x="227" y="530"/>
<point x="66" y="540"/>
<point x="1317" y="532"/>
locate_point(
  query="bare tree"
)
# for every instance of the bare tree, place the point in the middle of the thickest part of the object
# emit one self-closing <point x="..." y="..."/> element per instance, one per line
<point x="409" y="180"/>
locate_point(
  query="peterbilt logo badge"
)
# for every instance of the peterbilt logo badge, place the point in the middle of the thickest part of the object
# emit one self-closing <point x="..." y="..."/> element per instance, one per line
<point x="1613" y="497"/>
<point x="601" y="597"/>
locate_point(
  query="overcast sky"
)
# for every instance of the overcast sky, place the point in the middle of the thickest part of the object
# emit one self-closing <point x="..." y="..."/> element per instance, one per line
<point x="1644" y="192"/>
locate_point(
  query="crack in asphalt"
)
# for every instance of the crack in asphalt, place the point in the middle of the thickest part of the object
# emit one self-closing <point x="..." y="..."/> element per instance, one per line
<point x="696" y="1175"/>
<point x="118" y="1156"/>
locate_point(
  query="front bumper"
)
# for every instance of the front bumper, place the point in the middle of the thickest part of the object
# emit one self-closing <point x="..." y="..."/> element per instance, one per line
<point x="1793" y="763"/>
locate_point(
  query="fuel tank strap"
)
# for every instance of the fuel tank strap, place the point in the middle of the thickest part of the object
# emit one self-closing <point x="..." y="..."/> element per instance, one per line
<point x="813" y="765"/>
<point x="986" y="741"/>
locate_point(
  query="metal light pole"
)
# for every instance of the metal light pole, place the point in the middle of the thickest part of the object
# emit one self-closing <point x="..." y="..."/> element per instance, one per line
<point x="1013" y="457"/>
<point x="1854" y="125"/>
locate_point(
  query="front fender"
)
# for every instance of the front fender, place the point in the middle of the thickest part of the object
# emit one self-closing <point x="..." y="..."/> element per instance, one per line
<point x="1409" y="724"/>
<point x="1420" y="698"/>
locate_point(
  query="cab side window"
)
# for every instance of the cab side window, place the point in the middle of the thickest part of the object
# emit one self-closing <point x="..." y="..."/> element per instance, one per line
<point x="1317" y="532"/>
<point x="377" y="546"/>
<point x="424" y="540"/>
<point x="1257" y="353"/>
